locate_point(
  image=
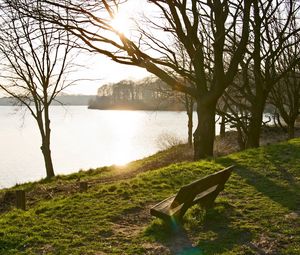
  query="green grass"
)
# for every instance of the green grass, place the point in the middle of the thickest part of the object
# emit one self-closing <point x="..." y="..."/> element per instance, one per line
<point x="257" y="213"/>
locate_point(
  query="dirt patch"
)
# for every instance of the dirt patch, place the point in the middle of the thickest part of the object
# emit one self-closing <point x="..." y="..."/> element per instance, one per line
<point x="133" y="222"/>
<point x="264" y="245"/>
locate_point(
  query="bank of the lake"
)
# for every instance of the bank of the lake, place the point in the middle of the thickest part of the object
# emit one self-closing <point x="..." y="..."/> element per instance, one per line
<point x="84" y="139"/>
<point x="258" y="213"/>
<point x="81" y="139"/>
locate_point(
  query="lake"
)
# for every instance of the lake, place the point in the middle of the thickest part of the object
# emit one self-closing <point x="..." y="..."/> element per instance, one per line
<point x="81" y="139"/>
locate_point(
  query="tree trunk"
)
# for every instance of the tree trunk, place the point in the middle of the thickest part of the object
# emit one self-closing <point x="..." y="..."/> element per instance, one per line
<point x="189" y="106"/>
<point x="204" y="134"/>
<point x="222" y="126"/>
<point x="291" y="129"/>
<point x="283" y="128"/>
<point x="257" y="105"/>
<point x="47" y="159"/>
<point x="190" y="129"/>
<point x="255" y="124"/>
<point x="45" y="131"/>
<point x="240" y="138"/>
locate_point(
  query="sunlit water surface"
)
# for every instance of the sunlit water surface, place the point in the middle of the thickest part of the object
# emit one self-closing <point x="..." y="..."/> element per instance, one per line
<point x="81" y="139"/>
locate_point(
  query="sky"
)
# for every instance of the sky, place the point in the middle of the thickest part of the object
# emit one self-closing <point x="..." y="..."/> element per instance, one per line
<point x="100" y="69"/>
<point x="97" y="70"/>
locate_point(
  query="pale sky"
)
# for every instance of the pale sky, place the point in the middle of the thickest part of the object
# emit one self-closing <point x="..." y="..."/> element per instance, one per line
<point x="102" y="69"/>
<point x="99" y="69"/>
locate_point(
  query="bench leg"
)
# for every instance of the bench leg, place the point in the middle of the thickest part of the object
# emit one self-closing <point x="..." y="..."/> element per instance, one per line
<point x="209" y="201"/>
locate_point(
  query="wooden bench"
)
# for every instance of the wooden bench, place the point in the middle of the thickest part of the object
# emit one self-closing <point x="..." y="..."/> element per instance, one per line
<point x="203" y="191"/>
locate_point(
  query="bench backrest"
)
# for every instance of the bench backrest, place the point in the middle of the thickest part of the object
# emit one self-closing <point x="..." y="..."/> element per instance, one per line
<point x="188" y="192"/>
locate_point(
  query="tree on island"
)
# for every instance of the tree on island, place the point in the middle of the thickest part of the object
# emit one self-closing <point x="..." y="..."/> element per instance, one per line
<point x="34" y="63"/>
<point x="147" y="94"/>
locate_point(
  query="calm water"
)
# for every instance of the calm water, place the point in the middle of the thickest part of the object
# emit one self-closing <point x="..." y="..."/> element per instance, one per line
<point x="81" y="139"/>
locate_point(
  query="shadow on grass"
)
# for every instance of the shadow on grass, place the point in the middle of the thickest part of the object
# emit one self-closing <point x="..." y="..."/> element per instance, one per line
<point x="270" y="183"/>
<point x="175" y="238"/>
<point x="213" y="234"/>
<point x="7" y="245"/>
<point x="282" y="154"/>
<point x="223" y="234"/>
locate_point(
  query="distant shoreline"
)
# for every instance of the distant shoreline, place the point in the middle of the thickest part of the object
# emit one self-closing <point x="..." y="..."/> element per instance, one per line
<point x="132" y="108"/>
<point x="79" y="100"/>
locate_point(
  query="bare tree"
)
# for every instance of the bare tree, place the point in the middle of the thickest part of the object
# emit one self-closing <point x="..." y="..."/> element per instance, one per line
<point x="274" y="32"/>
<point x="187" y="102"/>
<point x="205" y="29"/>
<point x="186" y="99"/>
<point x="34" y="62"/>
<point x="235" y="111"/>
<point x="285" y="96"/>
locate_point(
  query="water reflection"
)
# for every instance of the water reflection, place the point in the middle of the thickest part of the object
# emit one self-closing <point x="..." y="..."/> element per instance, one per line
<point x="124" y="126"/>
<point x="81" y="139"/>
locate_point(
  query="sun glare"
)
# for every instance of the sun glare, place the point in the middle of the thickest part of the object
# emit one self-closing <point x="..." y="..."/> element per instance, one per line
<point x="124" y="147"/>
<point x="122" y="23"/>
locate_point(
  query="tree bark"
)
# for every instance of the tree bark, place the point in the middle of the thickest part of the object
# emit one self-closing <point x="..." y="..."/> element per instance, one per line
<point x="45" y="131"/>
<point x="240" y="138"/>
<point x="204" y="134"/>
<point x="189" y="106"/>
<point x="255" y="123"/>
<point x="291" y="129"/>
<point x="47" y="158"/>
<point x="222" y="126"/>
<point x="190" y="129"/>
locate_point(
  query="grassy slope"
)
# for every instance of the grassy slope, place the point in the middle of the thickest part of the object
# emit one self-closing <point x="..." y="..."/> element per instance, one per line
<point x="258" y="213"/>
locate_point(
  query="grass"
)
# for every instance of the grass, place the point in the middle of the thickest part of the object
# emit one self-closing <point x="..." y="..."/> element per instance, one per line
<point x="258" y="212"/>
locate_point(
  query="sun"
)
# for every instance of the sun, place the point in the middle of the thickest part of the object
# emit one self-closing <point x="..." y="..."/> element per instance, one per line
<point x="122" y="23"/>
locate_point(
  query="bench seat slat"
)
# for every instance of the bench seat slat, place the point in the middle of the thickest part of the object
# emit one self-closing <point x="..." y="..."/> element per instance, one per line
<point x="164" y="205"/>
<point x="204" y="194"/>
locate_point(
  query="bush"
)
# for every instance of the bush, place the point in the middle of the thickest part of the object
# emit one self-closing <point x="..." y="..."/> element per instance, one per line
<point x="168" y="140"/>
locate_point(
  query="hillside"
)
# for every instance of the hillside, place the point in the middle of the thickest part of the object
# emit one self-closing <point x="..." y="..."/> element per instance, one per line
<point x="258" y="212"/>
